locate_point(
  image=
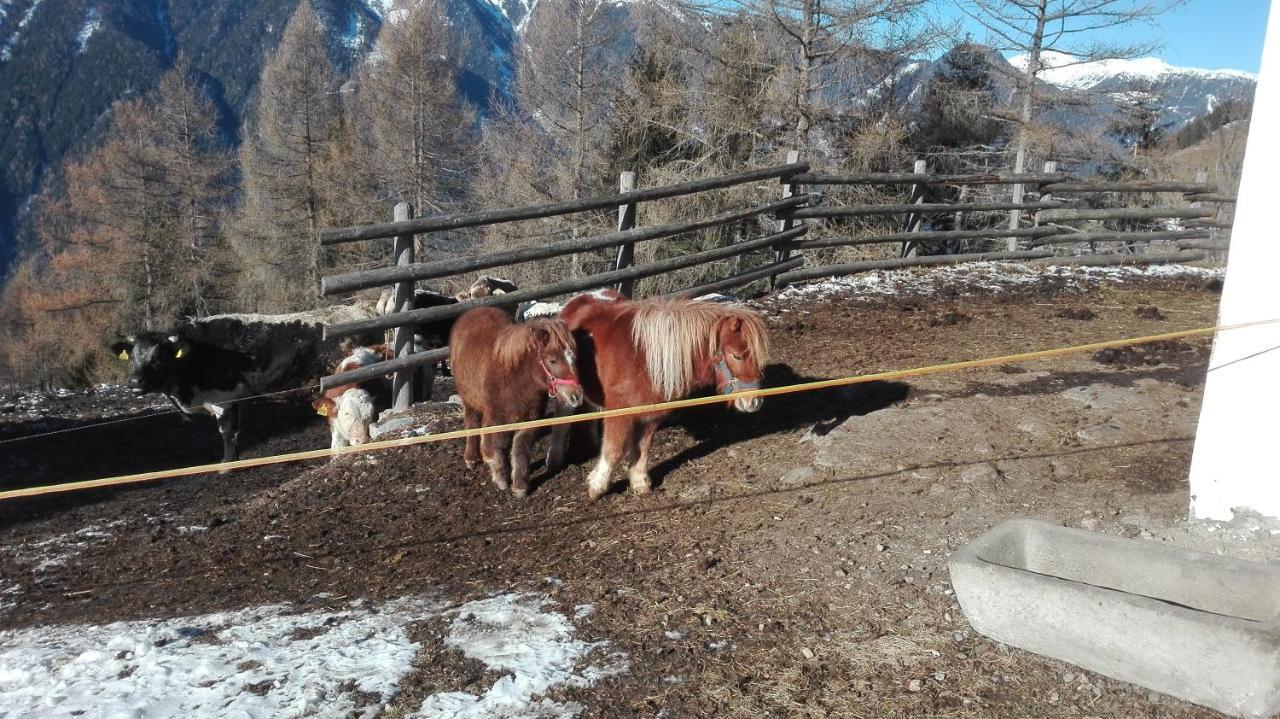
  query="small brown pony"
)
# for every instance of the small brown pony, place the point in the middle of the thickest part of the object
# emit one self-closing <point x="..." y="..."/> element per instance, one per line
<point x="506" y="372"/>
<point x="636" y="353"/>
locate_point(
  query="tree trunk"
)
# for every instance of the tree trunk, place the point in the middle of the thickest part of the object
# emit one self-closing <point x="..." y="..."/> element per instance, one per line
<point x="804" y="93"/>
<point x="1029" y="83"/>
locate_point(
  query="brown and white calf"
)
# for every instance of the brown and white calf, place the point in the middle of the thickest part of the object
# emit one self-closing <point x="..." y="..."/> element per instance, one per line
<point x="351" y="408"/>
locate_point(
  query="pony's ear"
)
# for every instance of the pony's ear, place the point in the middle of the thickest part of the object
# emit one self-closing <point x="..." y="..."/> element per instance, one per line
<point x="542" y="336"/>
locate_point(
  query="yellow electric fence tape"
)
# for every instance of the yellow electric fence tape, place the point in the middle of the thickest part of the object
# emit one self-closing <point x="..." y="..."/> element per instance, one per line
<point x="643" y="409"/>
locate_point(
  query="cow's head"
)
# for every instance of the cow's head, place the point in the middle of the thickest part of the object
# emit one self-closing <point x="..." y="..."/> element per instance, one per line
<point x="152" y="358"/>
<point x="351" y="413"/>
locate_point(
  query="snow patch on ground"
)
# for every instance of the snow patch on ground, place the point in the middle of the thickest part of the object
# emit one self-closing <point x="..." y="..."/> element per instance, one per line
<point x="257" y="662"/>
<point x="536" y="650"/>
<point x="92" y="22"/>
<point x="274" y="661"/>
<point x="56" y="551"/>
<point x="114" y="399"/>
<point x="8" y="596"/>
<point x="974" y="278"/>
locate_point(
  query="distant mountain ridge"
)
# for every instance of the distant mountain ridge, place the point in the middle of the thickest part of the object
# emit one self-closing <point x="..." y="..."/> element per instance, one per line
<point x="64" y="62"/>
<point x="1184" y="93"/>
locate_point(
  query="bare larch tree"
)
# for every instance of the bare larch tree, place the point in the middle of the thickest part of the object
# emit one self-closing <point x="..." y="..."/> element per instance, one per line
<point x="1068" y="27"/>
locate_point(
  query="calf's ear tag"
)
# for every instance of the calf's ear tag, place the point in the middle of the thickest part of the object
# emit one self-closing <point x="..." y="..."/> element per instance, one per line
<point x="323" y="410"/>
<point x="180" y="353"/>
<point x="123" y="356"/>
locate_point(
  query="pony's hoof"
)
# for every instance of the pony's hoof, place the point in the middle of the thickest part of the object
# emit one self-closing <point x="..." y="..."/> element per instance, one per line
<point x="595" y="493"/>
<point x="520" y="492"/>
<point x="471" y="463"/>
<point x="641" y="489"/>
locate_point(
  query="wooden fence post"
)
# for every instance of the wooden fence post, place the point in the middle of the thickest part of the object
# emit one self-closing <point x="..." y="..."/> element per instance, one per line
<point x="1050" y="167"/>
<point x="789" y="190"/>
<point x="1015" y="216"/>
<point x="915" y="219"/>
<point x="626" y="221"/>
<point x="1202" y="178"/>
<point x="402" y="253"/>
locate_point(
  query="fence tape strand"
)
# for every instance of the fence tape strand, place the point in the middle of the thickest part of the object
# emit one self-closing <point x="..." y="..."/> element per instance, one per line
<point x="624" y="411"/>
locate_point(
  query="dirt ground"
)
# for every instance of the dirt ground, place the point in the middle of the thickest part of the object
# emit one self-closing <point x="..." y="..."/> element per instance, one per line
<point x="791" y="563"/>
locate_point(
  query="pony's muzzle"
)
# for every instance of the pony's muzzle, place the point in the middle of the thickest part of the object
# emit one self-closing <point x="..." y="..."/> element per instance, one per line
<point x="748" y="404"/>
<point x="570" y="394"/>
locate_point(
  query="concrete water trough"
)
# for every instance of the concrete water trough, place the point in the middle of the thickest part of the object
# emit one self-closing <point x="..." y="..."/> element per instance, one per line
<point x="1195" y="626"/>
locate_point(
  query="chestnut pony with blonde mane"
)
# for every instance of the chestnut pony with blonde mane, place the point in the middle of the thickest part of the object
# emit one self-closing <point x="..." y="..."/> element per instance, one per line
<point x="652" y="351"/>
<point x="506" y="372"/>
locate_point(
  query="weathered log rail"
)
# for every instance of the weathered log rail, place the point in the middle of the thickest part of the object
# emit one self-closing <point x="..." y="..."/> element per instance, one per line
<point x="919" y="207"/>
<point x="554" y="209"/>
<point x="1067" y="237"/>
<point x="603" y="279"/>
<point x="797" y="216"/>
<point x="900" y="263"/>
<point x="406" y="272"/>
<point x="930" y="236"/>
<point x="447" y="268"/>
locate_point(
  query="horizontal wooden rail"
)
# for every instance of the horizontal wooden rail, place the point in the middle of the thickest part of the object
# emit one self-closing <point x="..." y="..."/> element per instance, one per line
<point x="444" y="268"/>
<point x="1153" y="258"/>
<point x="1124" y="213"/>
<point x="740" y="279"/>
<point x="532" y="212"/>
<point x="935" y="236"/>
<point x="563" y="287"/>
<point x="1212" y="245"/>
<point x="851" y="268"/>
<point x="1210" y="197"/>
<point x="922" y="208"/>
<point x="911" y="178"/>
<point x="374" y="371"/>
<point x="1214" y="224"/>
<point x="1073" y="187"/>
<point x="1073" y="237"/>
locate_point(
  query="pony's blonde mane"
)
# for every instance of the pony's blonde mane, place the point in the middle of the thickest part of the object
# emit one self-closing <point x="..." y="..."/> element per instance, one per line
<point x="671" y="333"/>
<point x="516" y="341"/>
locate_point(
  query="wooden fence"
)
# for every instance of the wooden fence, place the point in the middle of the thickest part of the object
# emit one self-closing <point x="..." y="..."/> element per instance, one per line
<point x="1050" y="199"/>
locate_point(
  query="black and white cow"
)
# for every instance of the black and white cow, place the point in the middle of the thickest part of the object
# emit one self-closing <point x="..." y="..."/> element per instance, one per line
<point x="486" y="285"/>
<point x="211" y="366"/>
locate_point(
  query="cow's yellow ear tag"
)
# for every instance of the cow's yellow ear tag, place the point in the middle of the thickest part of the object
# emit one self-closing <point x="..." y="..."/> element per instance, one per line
<point x="323" y="410"/>
<point x="179" y="354"/>
<point x="123" y="356"/>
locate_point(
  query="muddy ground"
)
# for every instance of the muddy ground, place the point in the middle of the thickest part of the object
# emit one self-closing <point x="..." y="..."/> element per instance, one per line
<point x="790" y="563"/>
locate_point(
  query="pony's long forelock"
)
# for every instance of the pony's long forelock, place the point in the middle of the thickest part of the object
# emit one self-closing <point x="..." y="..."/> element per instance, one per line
<point x="671" y="332"/>
<point x="518" y="340"/>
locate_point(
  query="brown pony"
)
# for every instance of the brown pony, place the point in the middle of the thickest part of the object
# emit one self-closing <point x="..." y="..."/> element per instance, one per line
<point x="654" y="351"/>
<point x="506" y="372"/>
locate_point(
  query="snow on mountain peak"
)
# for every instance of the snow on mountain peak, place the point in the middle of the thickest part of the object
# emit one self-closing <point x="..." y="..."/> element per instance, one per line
<point x="1067" y="71"/>
<point x="92" y="22"/>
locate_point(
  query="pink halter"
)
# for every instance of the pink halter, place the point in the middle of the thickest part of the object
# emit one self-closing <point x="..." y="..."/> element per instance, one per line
<point x="553" y="381"/>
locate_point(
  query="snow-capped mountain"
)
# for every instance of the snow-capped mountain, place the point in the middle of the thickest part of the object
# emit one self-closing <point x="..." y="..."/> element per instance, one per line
<point x="63" y="63"/>
<point x="1181" y="93"/>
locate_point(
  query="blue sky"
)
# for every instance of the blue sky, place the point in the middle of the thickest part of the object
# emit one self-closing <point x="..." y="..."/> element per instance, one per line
<point x="1211" y="34"/>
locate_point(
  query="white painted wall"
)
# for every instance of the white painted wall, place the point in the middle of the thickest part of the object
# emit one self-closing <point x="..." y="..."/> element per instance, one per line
<point x="1236" y="462"/>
